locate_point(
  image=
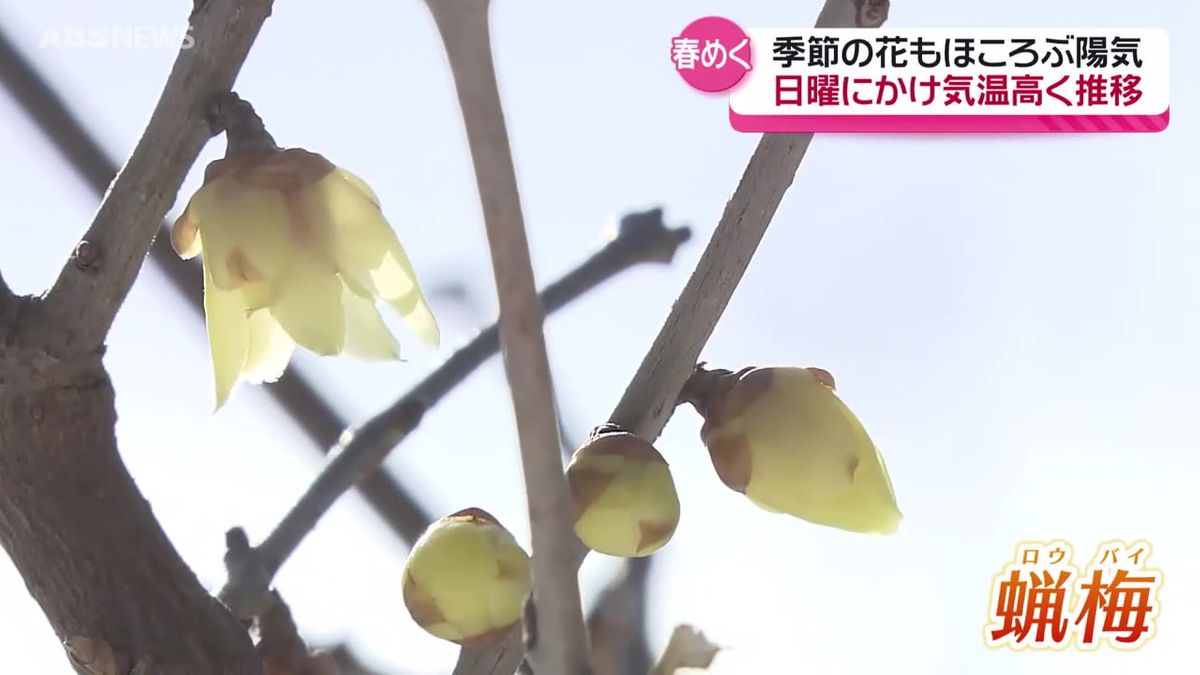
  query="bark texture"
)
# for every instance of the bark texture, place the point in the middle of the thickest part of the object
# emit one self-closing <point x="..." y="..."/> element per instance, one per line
<point x="71" y="518"/>
<point x="82" y="536"/>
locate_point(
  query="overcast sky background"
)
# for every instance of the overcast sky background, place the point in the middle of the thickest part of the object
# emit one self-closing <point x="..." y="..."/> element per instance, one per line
<point x="1013" y="318"/>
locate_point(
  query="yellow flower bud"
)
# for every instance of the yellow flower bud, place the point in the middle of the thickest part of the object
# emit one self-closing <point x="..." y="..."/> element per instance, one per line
<point x="623" y="493"/>
<point x="466" y="579"/>
<point x="295" y="251"/>
<point x="783" y="438"/>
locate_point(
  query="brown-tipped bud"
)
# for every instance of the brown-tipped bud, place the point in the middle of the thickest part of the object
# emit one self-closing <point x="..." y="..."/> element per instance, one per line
<point x="783" y="438"/>
<point x="624" y="496"/>
<point x="466" y="579"/>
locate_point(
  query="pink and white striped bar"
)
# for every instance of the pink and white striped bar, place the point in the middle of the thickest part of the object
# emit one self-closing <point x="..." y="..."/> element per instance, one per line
<point x="968" y="80"/>
<point x="950" y="124"/>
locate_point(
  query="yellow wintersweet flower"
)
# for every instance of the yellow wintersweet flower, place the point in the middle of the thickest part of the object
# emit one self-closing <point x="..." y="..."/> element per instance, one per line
<point x="783" y="438"/>
<point x="466" y="579"/>
<point x="296" y="251"/>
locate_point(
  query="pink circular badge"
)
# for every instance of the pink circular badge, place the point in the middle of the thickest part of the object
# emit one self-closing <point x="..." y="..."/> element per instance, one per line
<point x="712" y="54"/>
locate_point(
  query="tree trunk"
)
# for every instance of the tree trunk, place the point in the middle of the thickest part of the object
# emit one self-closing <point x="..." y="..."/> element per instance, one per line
<point x="85" y="540"/>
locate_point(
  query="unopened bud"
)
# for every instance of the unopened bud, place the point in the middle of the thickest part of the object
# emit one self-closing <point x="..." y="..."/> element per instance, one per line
<point x="466" y="579"/>
<point x="783" y="438"/>
<point x="624" y="496"/>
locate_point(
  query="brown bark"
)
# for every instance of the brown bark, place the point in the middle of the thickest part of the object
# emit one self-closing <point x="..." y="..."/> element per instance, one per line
<point x="71" y="518"/>
<point x="82" y="536"/>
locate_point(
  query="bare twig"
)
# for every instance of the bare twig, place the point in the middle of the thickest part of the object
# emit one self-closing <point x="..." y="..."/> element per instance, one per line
<point x="463" y="25"/>
<point x="251" y="569"/>
<point x="652" y="393"/>
<point x="617" y="623"/>
<point x="641" y="237"/>
<point x="282" y="650"/>
<point x="84" y="299"/>
<point x="460" y="294"/>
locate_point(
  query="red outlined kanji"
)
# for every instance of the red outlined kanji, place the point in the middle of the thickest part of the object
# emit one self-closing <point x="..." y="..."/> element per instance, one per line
<point x="1031" y="598"/>
<point x="1118" y="597"/>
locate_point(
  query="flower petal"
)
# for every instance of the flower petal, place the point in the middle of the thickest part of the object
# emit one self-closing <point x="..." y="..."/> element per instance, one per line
<point x="367" y="336"/>
<point x="420" y="319"/>
<point x="309" y="307"/>
<point x="364" y="239"/>
<point x="185" y="234"/>
<point x="362" y="236"/>
<point x="358" y="184"/>
<point x="228" y="330"/>
<point x="260" y="294"/>
<point x="247" y="231"/>
<point x="270" y="348"/>
<point x="368" y="253"/>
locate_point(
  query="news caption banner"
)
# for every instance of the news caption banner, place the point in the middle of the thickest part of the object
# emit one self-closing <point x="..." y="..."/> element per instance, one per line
<point x="930" y="80"/>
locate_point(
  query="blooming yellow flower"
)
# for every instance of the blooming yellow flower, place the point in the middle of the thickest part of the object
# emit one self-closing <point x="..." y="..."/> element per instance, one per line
<point x="783" y="438"/>
<point x="296" y="251"/>
<point x="467" y="578"/>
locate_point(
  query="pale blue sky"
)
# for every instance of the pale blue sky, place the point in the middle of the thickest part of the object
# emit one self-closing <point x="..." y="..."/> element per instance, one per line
<point x="1014" y="319"/>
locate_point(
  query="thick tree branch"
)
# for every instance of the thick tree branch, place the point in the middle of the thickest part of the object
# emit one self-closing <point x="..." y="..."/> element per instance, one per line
<point x="463" y="25"/>
<point x="74" y="523"/>
<point x="653" y="392"/>
<point x="7" y="303"/>
<point x="282" y="650"/>
<point x="81" y="304"/>
<point x="642" y="237"/>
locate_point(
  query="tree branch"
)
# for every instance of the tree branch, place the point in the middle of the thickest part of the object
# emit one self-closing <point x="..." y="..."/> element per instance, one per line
<point x="293" y="393"/>
<point x="72" y="519"/>
<point x="652" y="394"/>
<point x="348" y="662"/>
<point x="617" y="623"/>
<point x="7" y="300"/>
<point x="282" y="650"/>
<point x="463" y="25"/>
<point x="91" y="286"/>
<point x="642" y="237"/>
